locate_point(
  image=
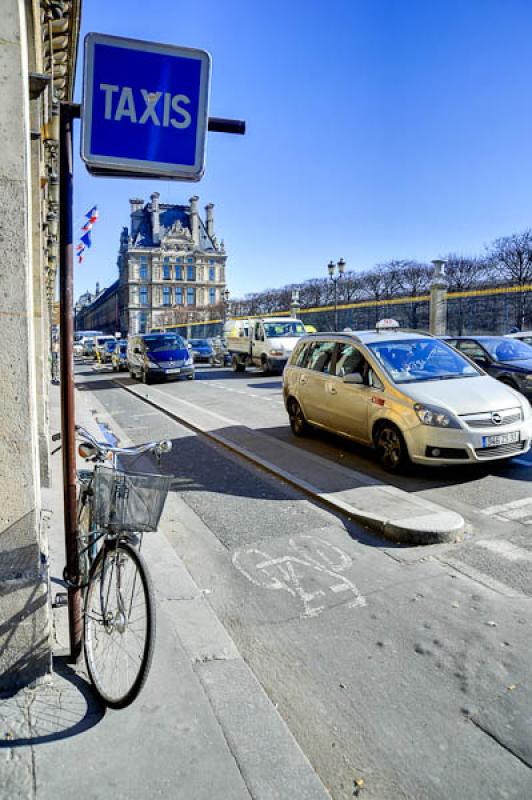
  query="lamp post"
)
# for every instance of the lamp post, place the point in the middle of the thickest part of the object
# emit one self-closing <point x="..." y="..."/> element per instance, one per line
<point x="332" y="267"/>
<point x="225" y="306"/>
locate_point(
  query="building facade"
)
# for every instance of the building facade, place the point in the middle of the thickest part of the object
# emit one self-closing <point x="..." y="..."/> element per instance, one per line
<point x="38" y="51"/>
<point x="101" y="313"/>
<point x="171" y="266"/>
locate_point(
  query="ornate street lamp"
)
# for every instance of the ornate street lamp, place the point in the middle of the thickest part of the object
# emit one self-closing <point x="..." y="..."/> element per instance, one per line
<point x="225" y="305"/>
<point x="332" y="268"/>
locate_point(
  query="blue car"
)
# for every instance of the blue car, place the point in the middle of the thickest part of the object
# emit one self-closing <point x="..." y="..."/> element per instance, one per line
<point x="159" y="355"/>
<point x="202" y="350"/>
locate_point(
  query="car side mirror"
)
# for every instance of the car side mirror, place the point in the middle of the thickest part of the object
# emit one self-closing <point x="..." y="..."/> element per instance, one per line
<point x="354" y="377"/>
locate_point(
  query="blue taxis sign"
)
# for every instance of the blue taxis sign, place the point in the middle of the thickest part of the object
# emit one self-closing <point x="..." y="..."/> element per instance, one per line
<point x="145" y="108"/>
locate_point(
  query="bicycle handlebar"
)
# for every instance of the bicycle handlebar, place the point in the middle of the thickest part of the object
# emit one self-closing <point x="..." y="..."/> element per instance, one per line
<point x="164" y="446"/>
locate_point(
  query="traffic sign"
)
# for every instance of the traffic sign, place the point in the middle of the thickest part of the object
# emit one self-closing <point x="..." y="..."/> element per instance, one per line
<point x="145" y="108"/>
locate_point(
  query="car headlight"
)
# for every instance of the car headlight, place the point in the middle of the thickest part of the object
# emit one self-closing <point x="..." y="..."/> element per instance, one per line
<point x="152" y="364"/>
<point x="436" y="417"/>
<point x="189" y="362"/>
<point x="277" y="352"/>
<point x="528" y="377"/>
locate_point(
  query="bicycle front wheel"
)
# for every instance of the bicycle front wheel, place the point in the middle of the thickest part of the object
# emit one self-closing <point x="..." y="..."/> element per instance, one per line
<point x="119" y="624"/>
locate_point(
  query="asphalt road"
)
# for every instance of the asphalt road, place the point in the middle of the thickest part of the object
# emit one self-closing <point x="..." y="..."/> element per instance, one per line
<point x="405" y="668"/>
<point x="494" y="499"/>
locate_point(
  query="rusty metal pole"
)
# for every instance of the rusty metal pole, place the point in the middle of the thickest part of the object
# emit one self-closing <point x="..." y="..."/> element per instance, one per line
<point x="66" y="296"/>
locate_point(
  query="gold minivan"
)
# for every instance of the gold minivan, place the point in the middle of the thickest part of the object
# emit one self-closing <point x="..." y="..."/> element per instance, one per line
<point x="409" y="395"/>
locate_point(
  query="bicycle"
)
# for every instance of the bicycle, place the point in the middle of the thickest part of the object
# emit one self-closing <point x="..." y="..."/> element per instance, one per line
<point x="114" y="507"/>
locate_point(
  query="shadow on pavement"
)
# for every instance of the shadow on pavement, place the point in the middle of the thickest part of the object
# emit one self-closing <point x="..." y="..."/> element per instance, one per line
<point x="63" y="709"/>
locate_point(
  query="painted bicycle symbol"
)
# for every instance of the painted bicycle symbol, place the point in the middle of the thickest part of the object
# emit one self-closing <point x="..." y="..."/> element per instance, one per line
<point x="311" y="572"/>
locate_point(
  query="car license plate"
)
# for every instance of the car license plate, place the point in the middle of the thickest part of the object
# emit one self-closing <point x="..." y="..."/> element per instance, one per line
<point x="500" y="438"/>
<point x="176" y="369"/>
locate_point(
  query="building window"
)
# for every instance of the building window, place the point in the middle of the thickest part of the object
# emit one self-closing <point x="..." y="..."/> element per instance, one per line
<point x="191" y="296"/>
<point x="143" y="271"/>
<point x="190" y="273"/>
<point x="212" y="296"/>
<point x="190" y="260"/>
<point x="166" y="271"/>
<point x="178" y="273"/>
<point x="179" y="296"/>
<point x="212" y="274"/>
<point x="166" y="296"/>
<point x="143" y="294"/>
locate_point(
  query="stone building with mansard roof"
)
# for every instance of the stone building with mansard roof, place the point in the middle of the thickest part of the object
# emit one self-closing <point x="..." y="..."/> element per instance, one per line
<point x="170" y="264"/>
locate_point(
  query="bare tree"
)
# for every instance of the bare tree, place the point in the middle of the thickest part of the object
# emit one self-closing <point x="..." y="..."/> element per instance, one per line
<point x="413" y="280"/>
<point x="512" y="257"/>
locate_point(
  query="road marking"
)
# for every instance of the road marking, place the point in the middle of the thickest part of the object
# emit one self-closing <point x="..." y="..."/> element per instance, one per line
<point x="520" y="510"/>
<point x="310" y="573"/>
<point x="507" y="550"/>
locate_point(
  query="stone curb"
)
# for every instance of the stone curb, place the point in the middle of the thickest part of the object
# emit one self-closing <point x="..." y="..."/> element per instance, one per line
<point x="438" y="525"/>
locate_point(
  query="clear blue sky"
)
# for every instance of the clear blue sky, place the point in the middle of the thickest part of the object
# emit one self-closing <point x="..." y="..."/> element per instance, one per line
<point x="377" y="129"/>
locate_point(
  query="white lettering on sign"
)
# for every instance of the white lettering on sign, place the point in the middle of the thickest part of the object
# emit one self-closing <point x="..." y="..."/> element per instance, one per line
<point x="147" y="105"/>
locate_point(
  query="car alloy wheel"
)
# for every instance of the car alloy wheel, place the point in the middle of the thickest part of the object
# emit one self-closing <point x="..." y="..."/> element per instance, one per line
<point x="298" y="423"/>
<point x="391" y="448"/>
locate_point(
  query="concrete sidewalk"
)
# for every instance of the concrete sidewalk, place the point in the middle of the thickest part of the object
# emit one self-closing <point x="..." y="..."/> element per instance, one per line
<point x="398" y="515"/>
<point x="202" y="727"/>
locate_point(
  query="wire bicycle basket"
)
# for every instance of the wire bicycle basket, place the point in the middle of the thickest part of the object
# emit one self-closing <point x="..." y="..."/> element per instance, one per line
<point x="127" y="501"/>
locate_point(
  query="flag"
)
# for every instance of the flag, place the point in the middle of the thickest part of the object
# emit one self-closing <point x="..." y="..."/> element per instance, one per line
<point x="85" y="239"/>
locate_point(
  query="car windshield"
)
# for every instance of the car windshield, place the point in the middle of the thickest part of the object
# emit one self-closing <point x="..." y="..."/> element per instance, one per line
<point x="503" y="349"/>
<point x="173" y="342"/>
<point x="414" y="360"/>
<point x="199" y="342"/>
<point x="102" y="340"/>
<point x="277" y="329"/>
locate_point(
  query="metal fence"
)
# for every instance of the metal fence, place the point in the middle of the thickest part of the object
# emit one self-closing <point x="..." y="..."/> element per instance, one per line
<point x="495" y="310"/>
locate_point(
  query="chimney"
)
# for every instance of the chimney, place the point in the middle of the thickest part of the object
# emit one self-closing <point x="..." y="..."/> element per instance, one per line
<point x="155" y="224"/>
<point x="209" y="219"/>
<point x="194" y="219"/>
<point x="135" y="204"/>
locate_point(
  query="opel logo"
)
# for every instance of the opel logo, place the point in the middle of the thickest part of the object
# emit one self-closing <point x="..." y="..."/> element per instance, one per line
<point x="496" y="418"/>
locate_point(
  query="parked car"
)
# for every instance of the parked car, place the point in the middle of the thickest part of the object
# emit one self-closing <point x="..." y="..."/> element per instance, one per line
<point x="410" y="396"/>
<point x="159" y="355"/>
<point x="119" y="356"/>
<point x="83" y="341"/>
<point x="106" y="352"/>
<point x="508" y="360"/>
<point x="99" y="345"/>
<point x="202" y="350"/>
<point x="523" y="336"/>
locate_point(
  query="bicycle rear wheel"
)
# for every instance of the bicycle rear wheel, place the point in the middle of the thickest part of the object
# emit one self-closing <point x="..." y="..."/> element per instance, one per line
<point x="119" y="624"/>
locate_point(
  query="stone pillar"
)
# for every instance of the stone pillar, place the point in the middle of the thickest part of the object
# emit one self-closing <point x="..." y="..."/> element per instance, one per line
<point x="25" y="652"/>
<point x="438" y="299"/>
<point x="155" y="224"/>
<point x="209" y="219"/>
<point x="194" y="219"/>
<point x="295" y="305"/>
